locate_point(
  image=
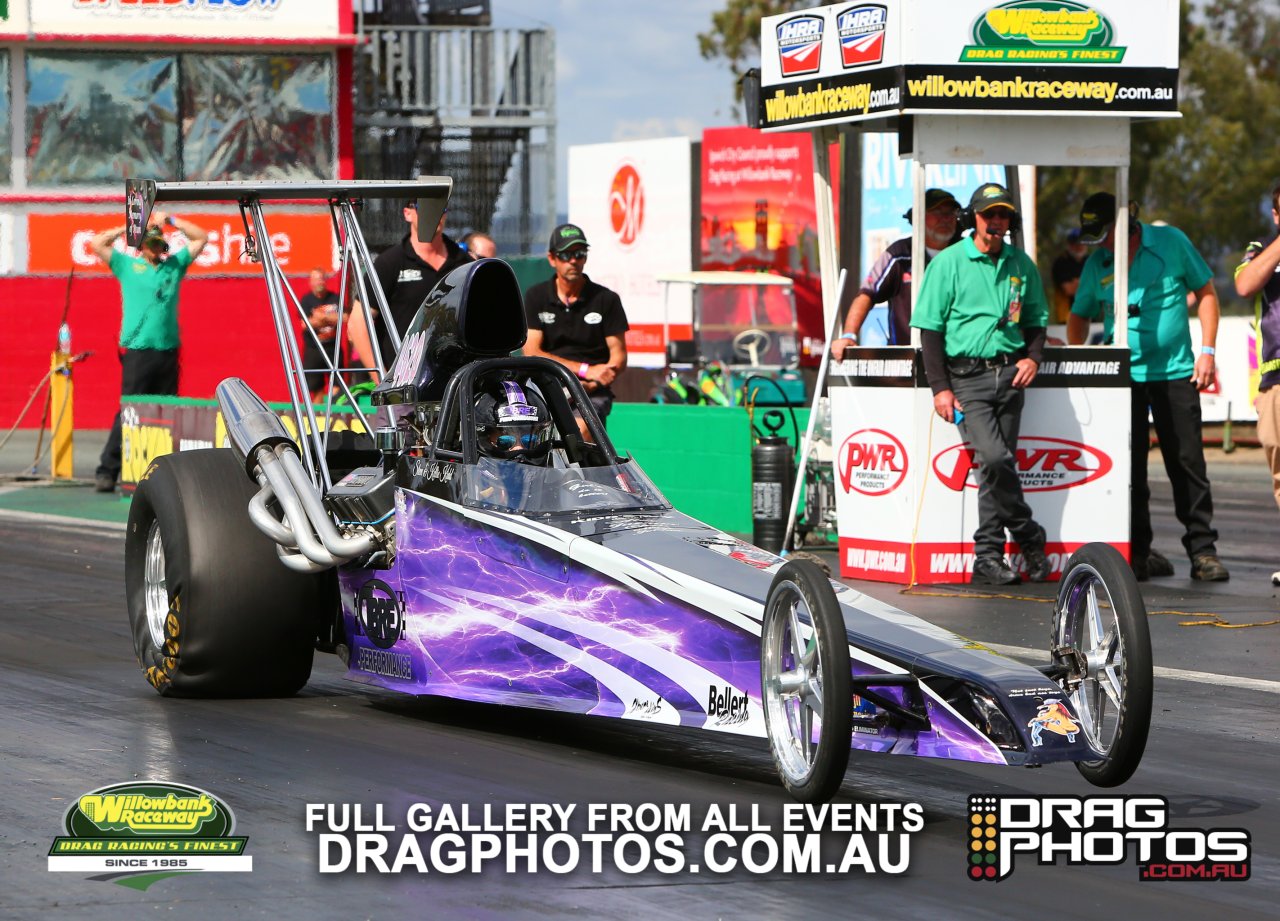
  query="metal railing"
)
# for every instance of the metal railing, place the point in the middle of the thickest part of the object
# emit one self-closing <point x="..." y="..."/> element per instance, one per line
<point x="435" y="75"/>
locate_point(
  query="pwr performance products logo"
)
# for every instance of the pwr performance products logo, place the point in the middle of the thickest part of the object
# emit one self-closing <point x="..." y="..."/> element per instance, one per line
<point x="1098" y="830"/>
<point x="872" y="462"/>
<point x="800" y="45"/>
<point x="1044" y="464"/>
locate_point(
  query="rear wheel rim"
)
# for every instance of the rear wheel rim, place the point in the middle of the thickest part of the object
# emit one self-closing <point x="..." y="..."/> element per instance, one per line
<point x="793" y="691"/>
<point x="1089" y="636"/>
<point x="156" y="590"/>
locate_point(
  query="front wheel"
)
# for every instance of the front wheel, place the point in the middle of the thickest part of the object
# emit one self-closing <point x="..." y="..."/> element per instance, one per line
<point x="1102" y="643"/>
<point x="805" y="682"/>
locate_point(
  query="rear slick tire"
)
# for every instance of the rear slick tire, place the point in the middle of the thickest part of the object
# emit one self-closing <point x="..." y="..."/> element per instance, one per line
<point x="214" y="613"/>
<point x="805" y="682"/>
<point x="1100" y="633"/>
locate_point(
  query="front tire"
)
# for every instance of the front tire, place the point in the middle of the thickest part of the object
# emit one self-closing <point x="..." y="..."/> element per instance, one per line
<point x="1100" y="635"/>
<point x="805" y="682"/>
<point x="214" y="612"/>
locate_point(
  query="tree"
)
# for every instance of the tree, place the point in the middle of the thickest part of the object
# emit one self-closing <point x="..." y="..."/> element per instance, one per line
<point x="735" y="34"/>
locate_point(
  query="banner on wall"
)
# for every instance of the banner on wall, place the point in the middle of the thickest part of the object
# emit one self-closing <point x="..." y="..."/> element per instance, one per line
<point x="886" y="196"/>
<point x="758" y="214"/>
<point x="302" y="241"/>
<point x="276" y="20"/>
<point x="632" y="199"/>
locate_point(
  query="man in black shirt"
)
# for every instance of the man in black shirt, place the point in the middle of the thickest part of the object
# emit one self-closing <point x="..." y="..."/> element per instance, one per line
<point x="406" y="272"/>
<point x="321" y="306"/>
<point x="576" y="322"/>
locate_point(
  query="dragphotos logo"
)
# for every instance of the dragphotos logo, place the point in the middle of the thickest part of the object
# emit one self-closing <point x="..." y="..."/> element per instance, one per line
<point x="1102" y="831"/>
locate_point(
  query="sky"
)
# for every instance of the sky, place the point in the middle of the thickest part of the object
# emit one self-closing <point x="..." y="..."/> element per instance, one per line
<point x="627" y="70"/>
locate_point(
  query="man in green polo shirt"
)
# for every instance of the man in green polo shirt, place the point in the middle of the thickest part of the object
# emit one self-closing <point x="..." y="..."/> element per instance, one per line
<point x="1167" y="376"/>
<point x="149" y="317"/>
<point x="982" y="316"/>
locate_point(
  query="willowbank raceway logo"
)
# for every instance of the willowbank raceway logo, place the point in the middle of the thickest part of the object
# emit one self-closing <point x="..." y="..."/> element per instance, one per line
<point x="1098" y="831"/>
<point x="1043" y="31"/>
<point x="136" y="834"/>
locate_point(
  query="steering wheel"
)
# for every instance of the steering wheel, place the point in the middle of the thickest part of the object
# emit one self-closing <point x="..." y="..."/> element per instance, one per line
<point x="751" y="342"/>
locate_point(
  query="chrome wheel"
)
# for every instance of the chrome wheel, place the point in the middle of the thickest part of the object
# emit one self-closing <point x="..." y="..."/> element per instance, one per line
<point x="1088" y="637"/>
<point x="1102" y="654"/>
<point x="156" y="590"/>
<point x="805" y="682"/>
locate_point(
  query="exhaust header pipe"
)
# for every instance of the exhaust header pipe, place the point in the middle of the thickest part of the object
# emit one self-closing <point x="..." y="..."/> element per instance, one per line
<point x="250" y="424"/>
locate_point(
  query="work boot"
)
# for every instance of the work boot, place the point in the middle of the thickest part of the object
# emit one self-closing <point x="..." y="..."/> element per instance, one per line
<point x="992" y="571"/>
<point x="1154" y="565"/>
<point x="104" y="482"/>
<point x="1039" y="569"/>
<point x="1206" y="567"/>
<point x="1158" y="565"/>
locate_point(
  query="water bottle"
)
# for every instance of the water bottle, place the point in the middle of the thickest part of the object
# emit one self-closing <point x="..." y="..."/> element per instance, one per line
<point x="64" y="339"/>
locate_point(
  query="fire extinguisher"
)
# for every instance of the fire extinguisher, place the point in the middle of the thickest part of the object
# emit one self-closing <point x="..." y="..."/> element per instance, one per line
<point x="772" y="480"/>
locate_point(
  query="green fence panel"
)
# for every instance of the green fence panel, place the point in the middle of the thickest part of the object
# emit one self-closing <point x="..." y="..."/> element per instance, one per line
<point x="699" y="456"/>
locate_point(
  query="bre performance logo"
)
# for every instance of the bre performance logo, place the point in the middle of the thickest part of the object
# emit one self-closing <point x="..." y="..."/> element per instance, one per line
<point x="1101" y="831"/>
<point x="1043" y="31"/>
<point x="381" y="613"/>
<point x="861" y="29"/>
<point x="800" y="45"/>
<point x="152" y="829"/>
<point x="872" y="462"/>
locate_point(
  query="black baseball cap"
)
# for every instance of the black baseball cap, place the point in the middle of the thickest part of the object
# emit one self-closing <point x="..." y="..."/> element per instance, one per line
<point x="565" y="236"/>
<point x="1097" y="214"/>
<point x="155" y="235"/>
<point x="991" y="195"/>
<point x="933" y="198"/>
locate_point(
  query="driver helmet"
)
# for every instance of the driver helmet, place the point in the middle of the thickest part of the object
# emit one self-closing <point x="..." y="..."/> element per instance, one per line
<point x="512" y="425"/>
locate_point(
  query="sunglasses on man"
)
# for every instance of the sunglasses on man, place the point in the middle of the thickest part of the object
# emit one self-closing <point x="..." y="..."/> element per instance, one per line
<point x="572" y="255"/>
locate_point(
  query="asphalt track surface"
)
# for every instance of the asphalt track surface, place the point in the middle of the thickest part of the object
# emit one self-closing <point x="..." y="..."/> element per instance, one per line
<point x="77" y="715"/>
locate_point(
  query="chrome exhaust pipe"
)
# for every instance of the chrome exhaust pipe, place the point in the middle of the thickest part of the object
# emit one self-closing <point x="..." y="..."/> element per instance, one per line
<point x="307" y="539"/>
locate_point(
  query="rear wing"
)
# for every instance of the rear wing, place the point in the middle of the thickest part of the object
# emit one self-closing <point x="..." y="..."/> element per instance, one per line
<point x="140" y="195"/>
<point x="358" y="281"/>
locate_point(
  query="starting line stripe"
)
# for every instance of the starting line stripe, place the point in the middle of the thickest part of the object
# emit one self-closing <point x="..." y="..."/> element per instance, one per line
<point x="1177" y="674"/>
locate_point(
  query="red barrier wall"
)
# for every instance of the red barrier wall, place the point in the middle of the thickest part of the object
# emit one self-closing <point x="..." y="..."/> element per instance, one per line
<point x="226" y="332"/>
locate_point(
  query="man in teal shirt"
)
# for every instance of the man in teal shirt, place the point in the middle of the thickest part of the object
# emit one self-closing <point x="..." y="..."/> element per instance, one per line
<point x="149" y="318"/>
<point x="982" y="316"/>
<point x="1167" y="376"/>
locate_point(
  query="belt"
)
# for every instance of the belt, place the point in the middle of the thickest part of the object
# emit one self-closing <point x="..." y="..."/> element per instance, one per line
<point x="964" y="364"/>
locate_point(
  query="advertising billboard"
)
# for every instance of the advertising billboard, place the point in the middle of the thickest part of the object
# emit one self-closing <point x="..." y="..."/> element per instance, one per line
<point x="633" y="201"/>
<point x="272" y="20"/>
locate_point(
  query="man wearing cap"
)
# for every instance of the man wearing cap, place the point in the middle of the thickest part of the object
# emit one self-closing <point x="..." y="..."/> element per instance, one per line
<point x="1167" y="376"/>
<point x="406" y="273"/>
<point x="1066" y="275"/>
<point x="982" y="314"/>
<point x="1258" y="276"/>
<point x="890" y="277"/>
<point x="576" y="322"/>
<point x="149" y="338"/>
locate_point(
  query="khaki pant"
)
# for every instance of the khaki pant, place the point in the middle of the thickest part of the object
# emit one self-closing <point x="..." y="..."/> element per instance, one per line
<point x="1268" y="406"/>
